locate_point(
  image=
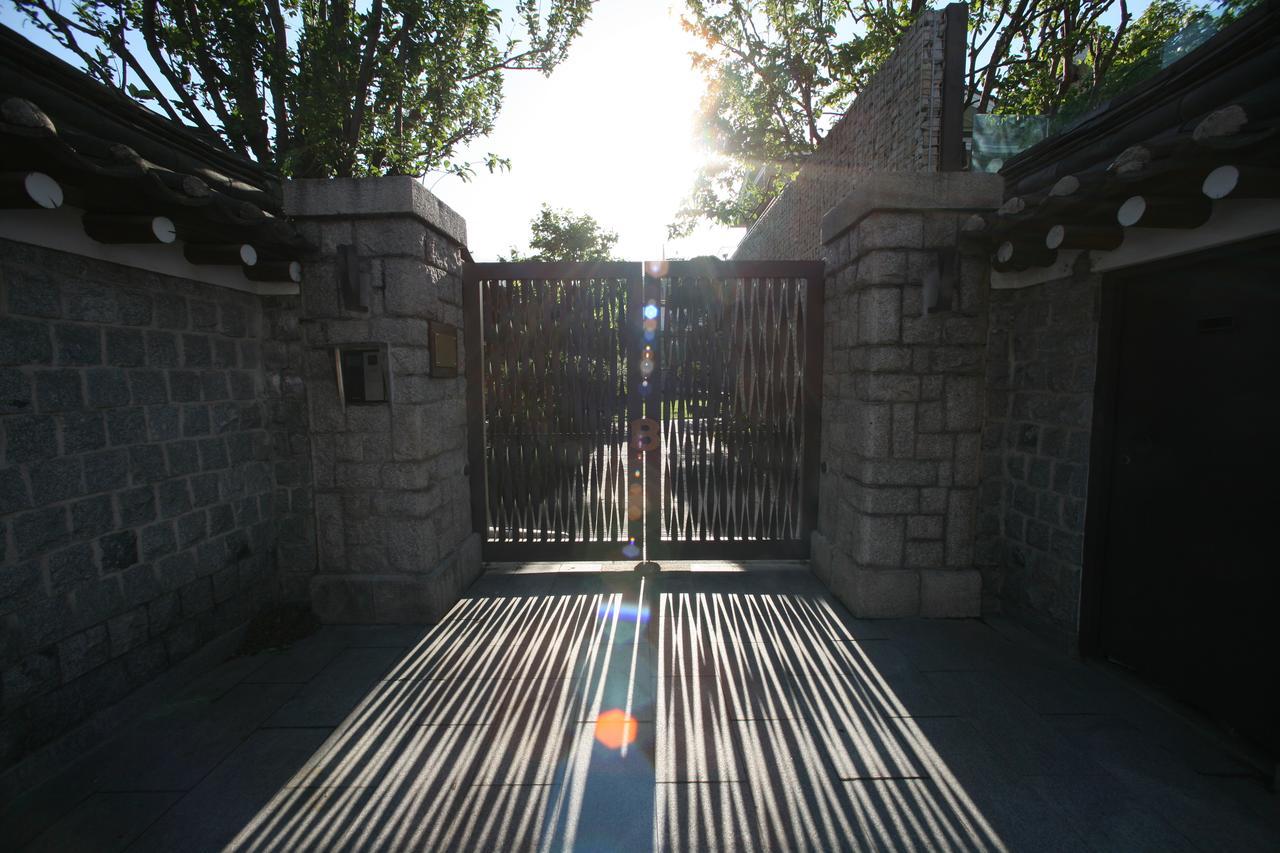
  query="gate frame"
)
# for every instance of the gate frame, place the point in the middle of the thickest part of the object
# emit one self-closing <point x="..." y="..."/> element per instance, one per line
<point x="648" y="527"/>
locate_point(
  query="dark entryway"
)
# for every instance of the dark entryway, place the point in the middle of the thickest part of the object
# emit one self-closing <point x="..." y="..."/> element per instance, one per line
<point x="1188" y="582"/>
<point x="669" y="409"/>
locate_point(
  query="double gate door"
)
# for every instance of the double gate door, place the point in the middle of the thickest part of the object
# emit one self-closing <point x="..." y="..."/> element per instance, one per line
<point x="644" y="411"/>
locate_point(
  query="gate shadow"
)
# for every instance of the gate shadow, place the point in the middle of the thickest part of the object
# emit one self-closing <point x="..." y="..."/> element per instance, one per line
<point x="682" y="712"/>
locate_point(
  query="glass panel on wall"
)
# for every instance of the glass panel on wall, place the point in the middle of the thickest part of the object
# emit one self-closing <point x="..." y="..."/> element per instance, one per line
<point x="997" y="138"/>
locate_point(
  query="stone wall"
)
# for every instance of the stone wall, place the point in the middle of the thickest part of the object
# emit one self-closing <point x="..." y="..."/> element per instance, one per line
<point x="137" y="491"/>
<point x="892" y="126"/>
<point x="1041" y="362"/>
<point x="902" y="398"/>
<point x="392" y="505"/>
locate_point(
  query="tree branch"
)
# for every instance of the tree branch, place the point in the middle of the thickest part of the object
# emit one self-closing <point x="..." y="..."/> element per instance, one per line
<point x="364" y="77"/>
<point x="280" y="71"/>
<point x="153" y="49"/>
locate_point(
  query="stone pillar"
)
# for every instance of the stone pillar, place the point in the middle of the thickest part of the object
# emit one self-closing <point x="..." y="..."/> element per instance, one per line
<point x="902" y="396"/>
<point x="392" y="504"/>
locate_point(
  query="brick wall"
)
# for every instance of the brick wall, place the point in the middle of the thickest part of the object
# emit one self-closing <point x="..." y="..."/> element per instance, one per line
<point x="137" y="489"/>
<point x="892" y="126"/>
<point x="1041" y="362"/>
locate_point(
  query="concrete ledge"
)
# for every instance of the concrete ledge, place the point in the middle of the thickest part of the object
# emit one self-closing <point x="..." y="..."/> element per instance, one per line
<point x="394" y="195"/>
<point x="396" y="599"/>
<point x="879" y="593"/>
<point x="950" y="593"/>
<point x="911" y="191"/>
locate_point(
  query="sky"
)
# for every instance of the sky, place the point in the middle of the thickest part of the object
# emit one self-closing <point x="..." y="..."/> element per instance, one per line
<point x="610" y="133"/>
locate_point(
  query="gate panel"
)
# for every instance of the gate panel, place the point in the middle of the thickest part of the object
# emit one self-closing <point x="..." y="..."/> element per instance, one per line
<point x="555" y="386"/>
<point x="740" y="362"/>
<point x="553" y="375"/>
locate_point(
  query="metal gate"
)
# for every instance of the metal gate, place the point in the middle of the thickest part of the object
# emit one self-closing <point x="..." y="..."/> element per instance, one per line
<point x="660" y="410"/>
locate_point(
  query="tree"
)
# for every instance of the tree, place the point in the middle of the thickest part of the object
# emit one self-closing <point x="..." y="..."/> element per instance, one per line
<point x="317" y="88"/>
<point x="562" y="235"/>
<point x="781" y="72"/>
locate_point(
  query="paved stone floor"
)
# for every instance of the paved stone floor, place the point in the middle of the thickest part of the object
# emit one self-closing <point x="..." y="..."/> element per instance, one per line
<point x="597" y="710"/>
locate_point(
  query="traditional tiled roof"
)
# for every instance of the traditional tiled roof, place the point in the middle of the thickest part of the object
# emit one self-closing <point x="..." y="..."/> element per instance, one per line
<point x="126" y="166"/>
<point x="1206" y="128"/>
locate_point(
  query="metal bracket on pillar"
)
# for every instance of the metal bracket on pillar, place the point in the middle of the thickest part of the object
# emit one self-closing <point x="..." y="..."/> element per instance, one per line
<point x="355" y="292"/>
<point x="940" y="280"/>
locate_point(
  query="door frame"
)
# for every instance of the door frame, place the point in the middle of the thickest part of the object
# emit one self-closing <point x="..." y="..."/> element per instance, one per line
<point x="1106" y="391"/>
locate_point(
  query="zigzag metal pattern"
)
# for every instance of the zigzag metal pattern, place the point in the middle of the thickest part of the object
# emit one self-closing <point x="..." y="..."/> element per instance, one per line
<point x="732" y="408"/>
<point x="555" y="409"/>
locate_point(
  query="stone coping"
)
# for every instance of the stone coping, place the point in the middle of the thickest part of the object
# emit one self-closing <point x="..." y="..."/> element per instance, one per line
<point x="875" y="191"/>
<point x="393" y="195"/>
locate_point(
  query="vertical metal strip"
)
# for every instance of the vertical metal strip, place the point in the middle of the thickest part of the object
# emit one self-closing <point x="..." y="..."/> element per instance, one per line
<point x="814" y="330"/>
<point x="654" y="404"/>
<point x="634" y="338"/>
<point x="951" y="127"/>
<point x="473" y="347"/>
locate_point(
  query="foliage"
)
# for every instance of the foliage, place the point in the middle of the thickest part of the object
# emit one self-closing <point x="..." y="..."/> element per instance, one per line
<point x="1062" y="76"/>
<point x="319" y="88"/>
<point x="562" y="235"/>
<point x="781" y="72"/>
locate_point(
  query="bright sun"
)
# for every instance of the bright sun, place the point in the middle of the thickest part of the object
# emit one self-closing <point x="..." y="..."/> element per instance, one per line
<point x="611" y="133"/>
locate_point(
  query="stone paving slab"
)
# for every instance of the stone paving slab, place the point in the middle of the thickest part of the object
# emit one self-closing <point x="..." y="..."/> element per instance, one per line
<point x="106" y="821"/>
<point x="214" y="811"/>
<point x="338" y="688"/>
<point x="563" y="708"/>
<point x="297" y="664"/>
<point x="178" y="745"/>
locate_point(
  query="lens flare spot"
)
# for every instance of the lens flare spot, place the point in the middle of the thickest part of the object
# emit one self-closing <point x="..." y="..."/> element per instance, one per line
<point x="651" y="312"/>
<point x="616" y="728"/>
<point x="626" y="612"/>
<point x="630" y="551"/>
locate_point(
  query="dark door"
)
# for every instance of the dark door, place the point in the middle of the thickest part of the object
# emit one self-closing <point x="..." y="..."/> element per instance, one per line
<point x="1189" y="592"/>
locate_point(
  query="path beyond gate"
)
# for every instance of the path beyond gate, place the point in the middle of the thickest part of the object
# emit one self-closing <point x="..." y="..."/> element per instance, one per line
<point x="661" y="410"/>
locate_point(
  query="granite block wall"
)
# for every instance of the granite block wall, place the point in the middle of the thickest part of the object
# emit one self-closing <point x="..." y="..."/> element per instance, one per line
<point x="903" y="397"/>
<point x="138" y="481"/>
<point x="392" y="505"/>
<point x="1041" y="364"/>
<point x="892" y="126"/>
<point x="284" y="397"/>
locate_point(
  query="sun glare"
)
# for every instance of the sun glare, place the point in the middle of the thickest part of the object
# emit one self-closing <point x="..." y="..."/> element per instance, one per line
<point x="610" y="133"/>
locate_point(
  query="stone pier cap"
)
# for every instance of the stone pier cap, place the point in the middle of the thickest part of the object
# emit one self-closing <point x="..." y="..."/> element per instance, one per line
<point x="357" y="198"/>
<point x="915" y="191"/>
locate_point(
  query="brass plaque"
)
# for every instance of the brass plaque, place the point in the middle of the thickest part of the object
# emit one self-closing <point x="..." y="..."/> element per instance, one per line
<point x="444" y="349"/>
